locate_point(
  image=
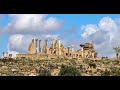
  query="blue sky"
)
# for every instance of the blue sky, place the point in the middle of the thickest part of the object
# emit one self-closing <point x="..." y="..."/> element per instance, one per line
<point x="70" y="21"/>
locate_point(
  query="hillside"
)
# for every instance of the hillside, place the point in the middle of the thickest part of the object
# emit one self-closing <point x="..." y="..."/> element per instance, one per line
<point x="86" y="67"/>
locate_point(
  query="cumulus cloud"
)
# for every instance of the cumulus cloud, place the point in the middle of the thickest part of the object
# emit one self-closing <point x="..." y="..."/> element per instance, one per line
<point x="105" y="35"/>
<point x="32" y="24"/>
<point x="19" y="42"/>
<point x="89" y="30"/>
<point x="107" y="24"/>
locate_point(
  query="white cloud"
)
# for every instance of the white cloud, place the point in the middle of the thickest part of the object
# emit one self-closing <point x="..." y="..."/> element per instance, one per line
<point x="105" y="36"/>
<point x="89" y="30"/>
<point x="107" y="24"/>
<point x="50" y="36"/>
<point x="32" y="24"/>
<point x="19" y="42"/>
<point x="52" y="24"/>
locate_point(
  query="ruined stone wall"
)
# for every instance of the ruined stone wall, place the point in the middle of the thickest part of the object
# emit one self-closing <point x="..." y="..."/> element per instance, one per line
<point x="87" y="50"/>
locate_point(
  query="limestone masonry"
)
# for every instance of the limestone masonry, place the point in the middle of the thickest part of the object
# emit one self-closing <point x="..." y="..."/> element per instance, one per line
<point x="56" y="50"/>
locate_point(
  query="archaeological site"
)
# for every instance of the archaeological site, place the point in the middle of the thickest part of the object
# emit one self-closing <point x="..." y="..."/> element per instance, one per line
<point x="56" y="50"/>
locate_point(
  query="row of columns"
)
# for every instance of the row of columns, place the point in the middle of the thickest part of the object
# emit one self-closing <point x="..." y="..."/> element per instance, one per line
<point x="39" y="49"/>
<point x="38" y="46"/>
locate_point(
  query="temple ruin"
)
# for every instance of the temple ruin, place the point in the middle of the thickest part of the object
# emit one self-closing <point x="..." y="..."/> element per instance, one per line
<point x="56" y="50"/>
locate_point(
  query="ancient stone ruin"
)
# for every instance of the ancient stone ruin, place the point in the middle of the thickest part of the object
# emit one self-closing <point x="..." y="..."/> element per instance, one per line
<point x="56" y="50"/>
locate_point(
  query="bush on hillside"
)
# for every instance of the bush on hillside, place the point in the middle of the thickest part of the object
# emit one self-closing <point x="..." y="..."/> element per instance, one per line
<point x="115" y="72"/>
<point x="68" y="71"/>
<point x="106" y="73"/>
<point x="44" y="72"/>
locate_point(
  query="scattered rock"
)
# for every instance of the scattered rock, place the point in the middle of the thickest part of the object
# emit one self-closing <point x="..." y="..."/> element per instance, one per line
<point x="13" y="70"/>
<point x="32" y="74"/>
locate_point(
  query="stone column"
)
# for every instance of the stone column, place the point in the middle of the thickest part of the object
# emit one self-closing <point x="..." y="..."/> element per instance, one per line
<point x="3" y="54"/>
<point x="56" y="52"/>
<point x="59" y="48"/>
<point x="46" y="43"/>
<point x="53" y="43"/>
<point x="37" y="49"/>
<point x="72" y="50"/>
<point x="40" y="49"/>
<point x="7" y="54"/>
<point x="68" y="50"/>
<point x="46" y="46"/>
<point x="82" y="50"/>
<point x="32" y="48"/>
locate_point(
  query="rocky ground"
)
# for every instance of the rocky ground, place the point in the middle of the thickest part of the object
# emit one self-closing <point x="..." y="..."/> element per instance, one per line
<point x="87" y="67"/>
<point x="28" y="67"/>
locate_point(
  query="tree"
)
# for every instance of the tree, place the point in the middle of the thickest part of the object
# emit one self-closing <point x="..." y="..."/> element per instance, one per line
<point x="44" y="72"/>
<point x="68" y="71"/>
<point x="117" y="50"/>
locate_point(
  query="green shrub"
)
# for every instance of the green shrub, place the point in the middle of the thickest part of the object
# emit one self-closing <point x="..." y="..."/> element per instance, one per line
<point x="44" y="72"/>
<point x="106" y="73"/>
<point x="68" y="71"/>
<point x="115" y="72"/>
